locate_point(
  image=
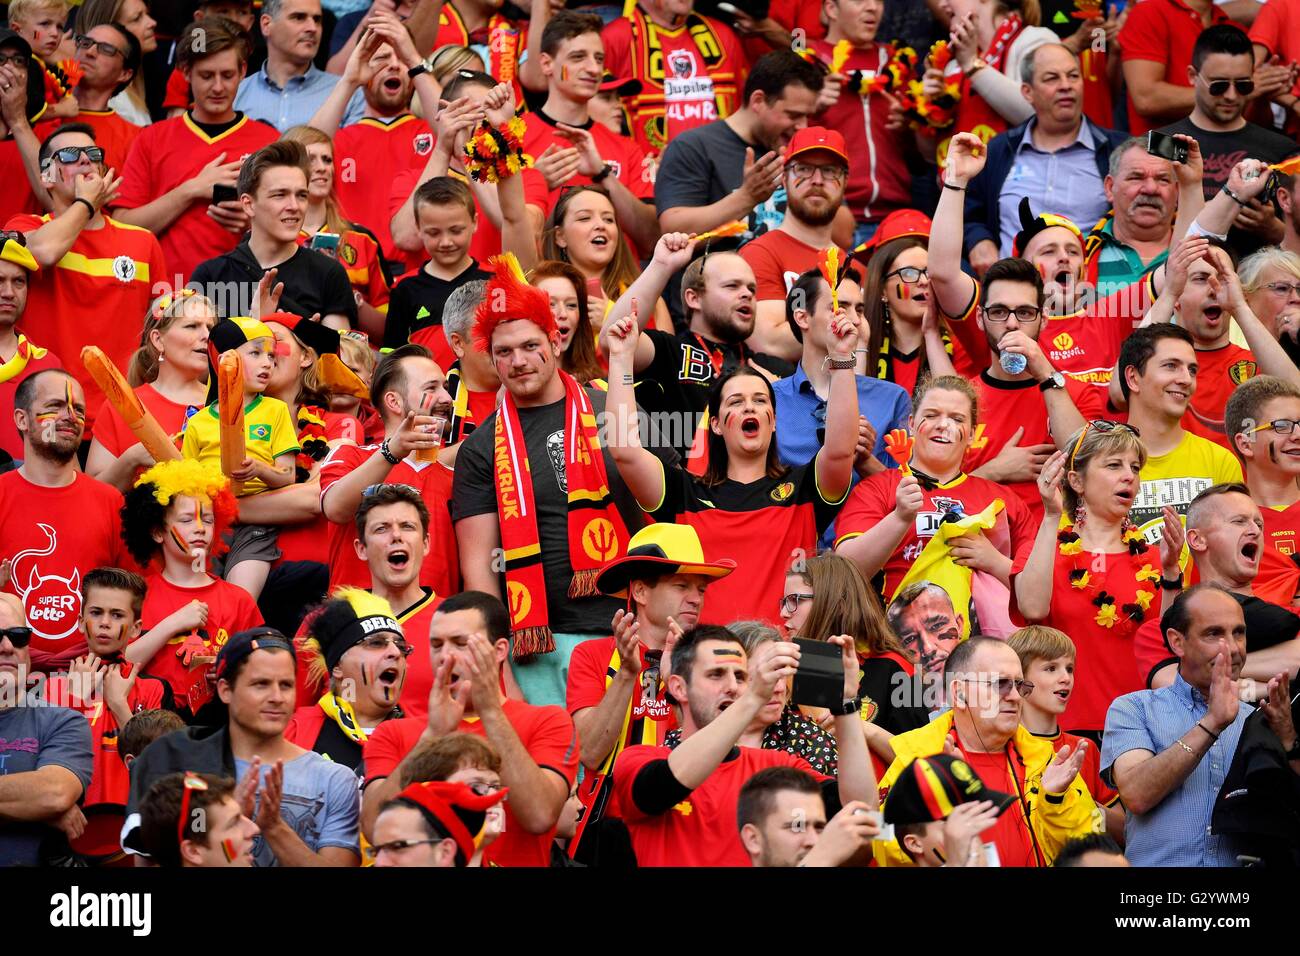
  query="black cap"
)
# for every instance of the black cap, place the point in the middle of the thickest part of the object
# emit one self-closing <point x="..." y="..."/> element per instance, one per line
<point x="243" y="643"/>
<point x="929" y="788"/>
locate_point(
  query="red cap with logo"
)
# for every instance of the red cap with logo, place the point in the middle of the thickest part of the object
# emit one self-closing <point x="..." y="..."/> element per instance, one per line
<point x="814" y="138"/>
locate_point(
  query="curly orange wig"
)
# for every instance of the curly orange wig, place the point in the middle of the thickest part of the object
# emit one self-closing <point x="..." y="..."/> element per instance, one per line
<point x="508" y="298"/>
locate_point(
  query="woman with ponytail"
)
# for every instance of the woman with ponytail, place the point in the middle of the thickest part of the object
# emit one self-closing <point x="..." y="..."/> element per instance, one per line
<point x="169" y="373"/>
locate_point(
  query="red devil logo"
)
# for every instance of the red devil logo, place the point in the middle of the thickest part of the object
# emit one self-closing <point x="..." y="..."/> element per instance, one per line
<point x="53" y="603"/>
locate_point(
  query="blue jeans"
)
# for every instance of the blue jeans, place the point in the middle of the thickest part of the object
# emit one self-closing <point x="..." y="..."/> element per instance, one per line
<point x="544" y="680"/>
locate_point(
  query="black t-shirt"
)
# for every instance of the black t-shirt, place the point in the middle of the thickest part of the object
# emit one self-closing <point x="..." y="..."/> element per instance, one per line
<point x="417" y="302"/>
<point x="474" y="493"/>
<point x="1222" y="151"/>
<point x="679" y="378"/>
<point x="313" y="283"/>
<point x="883" y="678"/>
<point x="1267" y="624"/>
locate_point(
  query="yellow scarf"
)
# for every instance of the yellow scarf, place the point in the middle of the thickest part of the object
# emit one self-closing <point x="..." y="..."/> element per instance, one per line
<point x="340" y="711"/>
<point x="26" y="352"/>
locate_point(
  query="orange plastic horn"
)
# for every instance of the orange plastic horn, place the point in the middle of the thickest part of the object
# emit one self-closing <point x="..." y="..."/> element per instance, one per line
<point x="123" y="398"/>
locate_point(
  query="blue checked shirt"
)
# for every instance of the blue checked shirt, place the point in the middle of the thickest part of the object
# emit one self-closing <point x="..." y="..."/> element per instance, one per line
<point x="1177" y="832"/>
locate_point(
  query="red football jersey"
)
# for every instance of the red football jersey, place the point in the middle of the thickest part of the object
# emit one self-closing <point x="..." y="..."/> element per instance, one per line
<point x="367" y="155"/>
<point x="873" y="498"/>
<point x="168" y="154"/>
<point x="415" y="621"/>
<point x="1011" y="834"/>
<point x="230" y="610"/>
<point x="112" y="133"/>
<point x="547" y="734"/>
<point x="1221" y="371"/>
<point x="54" y="536"/>
<point x="632" y="167"/>
<point x="441" y="568"/>
<point x="701" y="830"/>
<point x="112" y="271"/>
<point x="589" y="672"/>
<point x="110" y="783"/>
<point x="778" y="259"/>
<point x="689" y="76"/>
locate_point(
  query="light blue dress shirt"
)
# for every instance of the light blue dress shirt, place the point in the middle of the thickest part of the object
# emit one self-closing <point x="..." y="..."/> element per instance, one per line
<point x="1065" y="182"/>
<point x="1177" y="832"/>
<point x="296" y="102"/>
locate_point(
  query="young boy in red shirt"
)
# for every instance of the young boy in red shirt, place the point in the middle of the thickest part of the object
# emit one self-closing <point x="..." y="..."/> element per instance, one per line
<point x="1047" y="659"/>
<point x="171" y="520"/>
<point x="109" y="690"/>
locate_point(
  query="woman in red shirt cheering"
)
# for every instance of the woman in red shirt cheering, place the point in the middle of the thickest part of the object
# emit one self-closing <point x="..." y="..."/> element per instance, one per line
<point x="1092" y="574"/>
<point x="747" y="503"/>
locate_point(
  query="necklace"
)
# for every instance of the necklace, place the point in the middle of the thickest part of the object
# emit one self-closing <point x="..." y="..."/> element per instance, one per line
<point x="1088" y="573"/>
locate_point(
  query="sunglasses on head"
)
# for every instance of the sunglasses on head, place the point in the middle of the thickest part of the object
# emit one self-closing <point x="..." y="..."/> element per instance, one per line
<point x="1102" y="426"/>
<point x="19" y="637"/>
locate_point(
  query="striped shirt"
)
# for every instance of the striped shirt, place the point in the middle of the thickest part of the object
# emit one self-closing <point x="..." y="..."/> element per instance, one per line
<point x="1177" y="831"/>
<point x="1118" y="264"/>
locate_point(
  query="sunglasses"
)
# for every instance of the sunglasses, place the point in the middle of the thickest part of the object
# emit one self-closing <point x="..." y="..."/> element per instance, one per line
<point x="85" y="43"/>
<point x="70" y="154"/>
<point x="19" y="637"/>
<point x="1219" y="87"/>
<point x="1104" y="427"/>
<point x="1004" y="685"/>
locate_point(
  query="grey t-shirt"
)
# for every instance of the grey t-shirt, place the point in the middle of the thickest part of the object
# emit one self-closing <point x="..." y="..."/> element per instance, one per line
<point x="33" y="737"/>
<point x="474" y="493"/>
<point x="321" y="803"/>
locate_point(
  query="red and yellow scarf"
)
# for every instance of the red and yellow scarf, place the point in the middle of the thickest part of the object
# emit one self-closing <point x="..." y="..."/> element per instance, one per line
<point x="596" y="530"/>
<point x="25" y="353"/>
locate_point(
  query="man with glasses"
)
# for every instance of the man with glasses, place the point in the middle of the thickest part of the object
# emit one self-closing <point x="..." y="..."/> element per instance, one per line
<point x="815" y="170"/>
<point x="986" y="687"/>
<point x="469" y="644"/>
<point x="363" y="653"/>
<point x="90" y="263"/>
<point x="109" y="55"/>
<point x="1027" y="407"/>
<point x="1221" y="74"/>
<point x="434" y="824"/>
<point x="46" y="758"/>
<point x="1157" y="373"/>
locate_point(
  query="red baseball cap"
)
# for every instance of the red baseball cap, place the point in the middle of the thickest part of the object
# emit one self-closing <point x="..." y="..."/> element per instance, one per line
<point x="814" y="138"/>
<point x="899" y="223"/>
<point x="623" y="86"/>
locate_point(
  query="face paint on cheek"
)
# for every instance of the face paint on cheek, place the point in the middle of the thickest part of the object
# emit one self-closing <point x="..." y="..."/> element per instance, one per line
<point x="180" y="541"/>
<point x="1272" y="452"/>
<point x="228" y="850"/>
<point x="1042" y="271"/>
<point x="365" y="674"/>
<point x="564" y="74"/>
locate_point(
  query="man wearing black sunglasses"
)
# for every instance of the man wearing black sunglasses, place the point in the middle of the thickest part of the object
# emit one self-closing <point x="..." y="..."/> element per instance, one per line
<point x="1224" y="84"/>
<point x="45" y="752"/>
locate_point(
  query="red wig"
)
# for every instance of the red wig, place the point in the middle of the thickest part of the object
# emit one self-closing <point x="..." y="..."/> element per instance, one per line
<point x="510" y="298"/>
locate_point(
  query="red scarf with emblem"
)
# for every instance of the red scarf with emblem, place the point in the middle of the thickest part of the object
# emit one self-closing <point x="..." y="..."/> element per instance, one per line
<point x="974" y="115"/>
<point x="596" y="530"/>
<point x="504" y="40"/>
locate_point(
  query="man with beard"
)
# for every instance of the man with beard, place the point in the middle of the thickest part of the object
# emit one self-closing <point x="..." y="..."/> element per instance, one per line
<point x="56" y="522"/>
<point x="675" y="372"/>
<point x="306" y="805"/>
<point x="1157" y="741"/>
<point x="923" y="617"/>
<point x="289" y="87"/>
<point x="387" y="139"/>
<point x="1226" y="538"/>
<point x="273" y="192"/>
<point x="815" y="168"/>
<point x="49" y="758"/>
<point x="1026" y="405"/>
<point x="405" y="381"/>
<point x="19" y="357"/>
<point x="680" y="804"/>
<point x="469" y="642"/>
<point x="1222" y="70"/>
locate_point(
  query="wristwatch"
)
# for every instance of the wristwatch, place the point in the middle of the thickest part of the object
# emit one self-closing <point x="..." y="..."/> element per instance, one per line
<point x="1172" y="584"/>
<point x="848" y="708"/>
<point x="1055" y="380"/>
<point x="605" y="171"/>
<point x="976" y="65"/>
<point x="416" y="70"/>
<point x="844" y="363"/>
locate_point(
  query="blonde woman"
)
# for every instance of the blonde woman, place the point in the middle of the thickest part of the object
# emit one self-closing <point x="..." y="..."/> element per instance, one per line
<point x="1270" y="279"/>
<point x="169" y="373"/>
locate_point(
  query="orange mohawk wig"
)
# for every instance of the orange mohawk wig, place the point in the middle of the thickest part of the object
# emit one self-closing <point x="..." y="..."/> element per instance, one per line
<point x="509" y="297"/>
